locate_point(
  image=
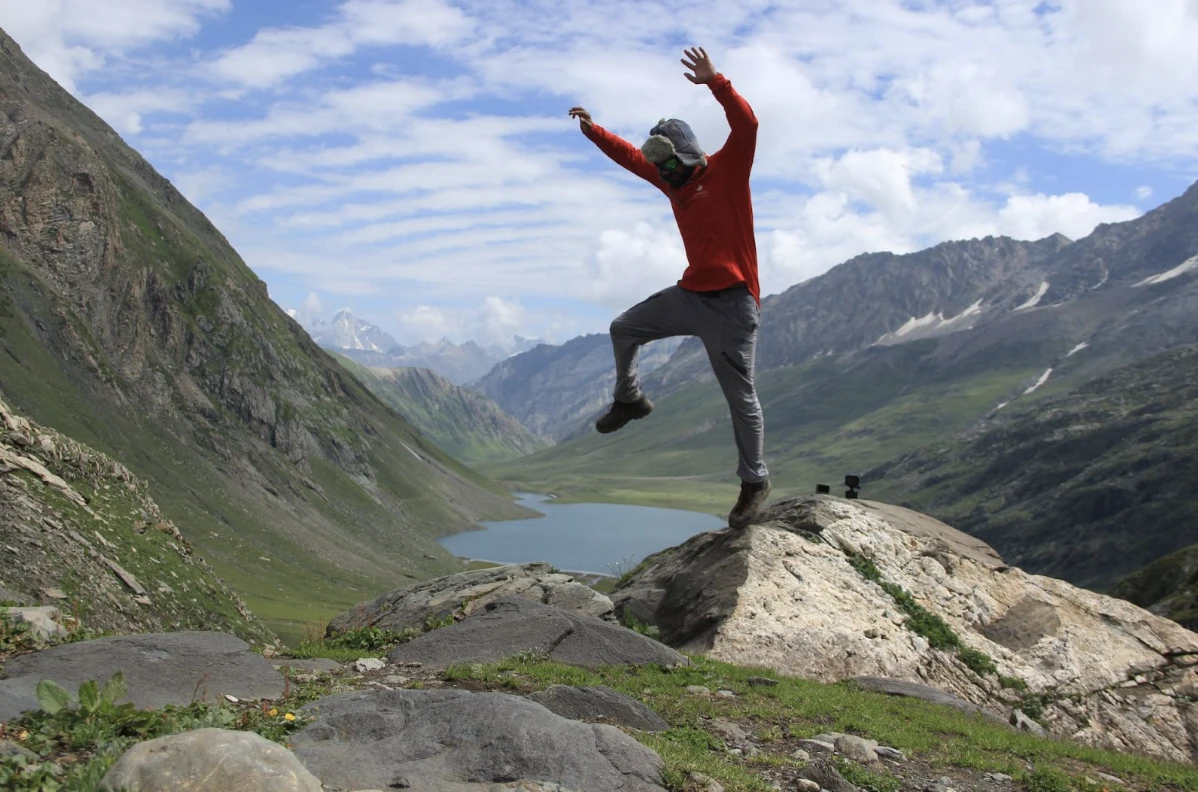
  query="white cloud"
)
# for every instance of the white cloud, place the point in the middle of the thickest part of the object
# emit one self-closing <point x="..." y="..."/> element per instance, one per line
<point x="68" y="38"/>
<point x="276" y="54"/>
<point x="1144" y="192"/>
<point x="1072" y="214"/>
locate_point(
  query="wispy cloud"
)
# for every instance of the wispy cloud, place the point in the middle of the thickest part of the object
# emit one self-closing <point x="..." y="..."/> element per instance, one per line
<point x="416" y="154"/>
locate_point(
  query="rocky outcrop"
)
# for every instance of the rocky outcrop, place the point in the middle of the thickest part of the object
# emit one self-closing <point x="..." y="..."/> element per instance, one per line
<point x="817" y="590"/>
<point x="510" y="626"/>
<point x="108" y="557"/>
<point x="457" y="741"/>
<point x="463" y="593"/>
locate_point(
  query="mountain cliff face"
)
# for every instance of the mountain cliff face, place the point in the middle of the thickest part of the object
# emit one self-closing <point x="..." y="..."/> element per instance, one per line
<point x="468" y="426"/>
<point x="1167" y="587"/>
<point x="128" y="322"/>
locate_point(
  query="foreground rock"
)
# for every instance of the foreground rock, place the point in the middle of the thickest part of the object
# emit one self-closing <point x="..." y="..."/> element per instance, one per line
<point x="507" y="627"/>
<point x="209" y="760"/>
<point x="159" y="669"/>
<point x="785" y="595"/>
<point x="462" y="594"/>
<point x="451" y="740"/>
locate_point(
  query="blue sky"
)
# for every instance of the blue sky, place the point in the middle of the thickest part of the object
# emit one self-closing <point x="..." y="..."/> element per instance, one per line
<point x="412" y="159"/>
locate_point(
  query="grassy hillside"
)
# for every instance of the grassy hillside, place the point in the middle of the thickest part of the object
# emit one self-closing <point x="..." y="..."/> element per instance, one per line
<point x="1167" y="586"/>
<point x="824" y="419"/>
<point x="1088" y="484"/>
<point x="467" y="426"/>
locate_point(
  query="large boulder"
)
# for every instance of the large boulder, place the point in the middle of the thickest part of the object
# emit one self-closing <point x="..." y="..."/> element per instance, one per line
<point x="508" y="627"/>
<point x="159" y="669"/>
<point x="789" y="594"/>
<point x="463" y="593"/>
<point x="209" y="760"/>
<point x="453" y="740"/>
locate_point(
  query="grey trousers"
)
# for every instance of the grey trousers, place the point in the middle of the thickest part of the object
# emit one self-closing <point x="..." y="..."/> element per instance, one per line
<point x="727" y="324"/>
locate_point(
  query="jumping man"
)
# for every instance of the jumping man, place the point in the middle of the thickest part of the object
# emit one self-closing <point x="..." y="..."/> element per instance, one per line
<point x="718" y="298"/>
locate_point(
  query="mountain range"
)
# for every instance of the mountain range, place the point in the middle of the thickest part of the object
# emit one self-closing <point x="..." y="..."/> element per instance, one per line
<point x="128" y="323"/>
<point x="365" y="343"/>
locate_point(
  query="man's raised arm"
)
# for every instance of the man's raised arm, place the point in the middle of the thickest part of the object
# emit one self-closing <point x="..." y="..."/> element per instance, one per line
<point x="742" y="123"/>
<point x="615" y="147"/>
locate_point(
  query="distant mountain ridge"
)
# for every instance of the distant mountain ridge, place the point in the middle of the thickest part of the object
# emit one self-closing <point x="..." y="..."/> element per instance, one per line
<point x="364" y="343"/>
<point x="464" y="424"/>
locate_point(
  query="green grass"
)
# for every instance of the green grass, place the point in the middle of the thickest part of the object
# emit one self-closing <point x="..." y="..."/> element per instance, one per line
<point x="803" y="708"/>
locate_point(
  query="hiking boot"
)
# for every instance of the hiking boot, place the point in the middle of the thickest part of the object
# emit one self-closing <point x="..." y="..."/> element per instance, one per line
<point x="621" y="413"/>
<point x="752" y="496"/>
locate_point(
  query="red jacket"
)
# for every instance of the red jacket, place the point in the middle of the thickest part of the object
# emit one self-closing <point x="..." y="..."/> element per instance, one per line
<point x="714" y="209"/>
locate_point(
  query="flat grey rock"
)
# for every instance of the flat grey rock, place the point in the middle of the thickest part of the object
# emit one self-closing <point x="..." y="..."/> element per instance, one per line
<point x="599" y="704"/>
<point x="824" y="773"/>
<point x="901" y="687"/>
<point x="159" y="669"/>
<point x="507" y="627"/>
<point x="463" y="593"/>
<point x="453" y="741"/>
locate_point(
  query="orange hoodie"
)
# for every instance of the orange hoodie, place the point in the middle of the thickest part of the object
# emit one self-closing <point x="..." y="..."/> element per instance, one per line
<point x="714" y="210"/>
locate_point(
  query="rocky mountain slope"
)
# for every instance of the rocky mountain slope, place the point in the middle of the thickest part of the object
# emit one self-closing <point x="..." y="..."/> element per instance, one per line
<point x="81" y="533"/>
<point x="467" y="426"/>
<point x="1167" y="587"/>
<point x="128" y="323"/>
<point x="556" y="390"/>
<point x="1087" y="485"/>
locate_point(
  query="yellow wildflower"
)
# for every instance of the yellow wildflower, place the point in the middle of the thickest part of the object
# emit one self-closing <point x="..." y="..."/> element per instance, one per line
<point x="273" y="712"/>
<point x="289" y="717"/>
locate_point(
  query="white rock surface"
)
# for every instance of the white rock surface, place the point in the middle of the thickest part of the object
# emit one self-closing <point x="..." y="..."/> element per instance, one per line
<point x="784" y="595"/>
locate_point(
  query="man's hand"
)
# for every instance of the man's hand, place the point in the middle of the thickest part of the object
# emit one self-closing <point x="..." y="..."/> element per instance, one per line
<point x="700" y="64"/>
<point x="584" y="118"/>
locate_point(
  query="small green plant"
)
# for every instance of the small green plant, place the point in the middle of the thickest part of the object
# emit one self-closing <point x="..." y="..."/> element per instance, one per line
<point x="922" y="621"/>
<point x="433" y="622"/>
<point x="15" y="636"/>
<point x="1047" y="779"/>
<point x="531" y="656"/>
<point x="1033" y="705"/>
<point x="867" y="779"/>
<point x="866" y="567"/>
<point x="1012" y="683"/>
<point x="644" y="628"/>
<point x="20" y="774"/>
<point x="978" y="662"/>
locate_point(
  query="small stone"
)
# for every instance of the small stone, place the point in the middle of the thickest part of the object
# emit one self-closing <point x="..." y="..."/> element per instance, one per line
<point x="800" y="755"/>
<point x="735" y="751"/>
<point x="725" y="694"/>
<point x="1022" y="722"/>
<point x="703" y="783"/>
<point x="1001" y="778"/>
<point x="758" y="681"/>
<point x="54" y="593"/>
<point x="887" y="752"/>
<point x="828" y="737"/>
<point x="806" y="785"/>
<point x="728" y="730"/>
<point x="817" y="746"/>
<point x="1110" y="779"/>
<point x="857" y="749"/>
<point x="364" y="664"/>
<point x="396" y="679"/>
<point x="698" y="690"/>
<point x="872" y="632"/>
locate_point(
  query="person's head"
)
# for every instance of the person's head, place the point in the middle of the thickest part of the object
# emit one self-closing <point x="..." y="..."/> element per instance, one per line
<point x="674" y="149"/>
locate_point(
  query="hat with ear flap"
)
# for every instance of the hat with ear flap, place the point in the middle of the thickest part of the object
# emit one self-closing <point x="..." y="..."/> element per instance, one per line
<point x="673" y="138"/>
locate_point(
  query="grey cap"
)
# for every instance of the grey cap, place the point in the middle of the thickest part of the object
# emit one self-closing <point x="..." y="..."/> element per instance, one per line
<point x="670" y="138"/>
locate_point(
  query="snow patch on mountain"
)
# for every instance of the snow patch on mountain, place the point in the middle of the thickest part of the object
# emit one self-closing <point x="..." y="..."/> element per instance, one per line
<point x="1035" y="298"/>
<point x="932" y="324"/>
<point x="1043" y="379"/>
<point x="1077" y="349"/>
<point x="1181" y="269"/>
